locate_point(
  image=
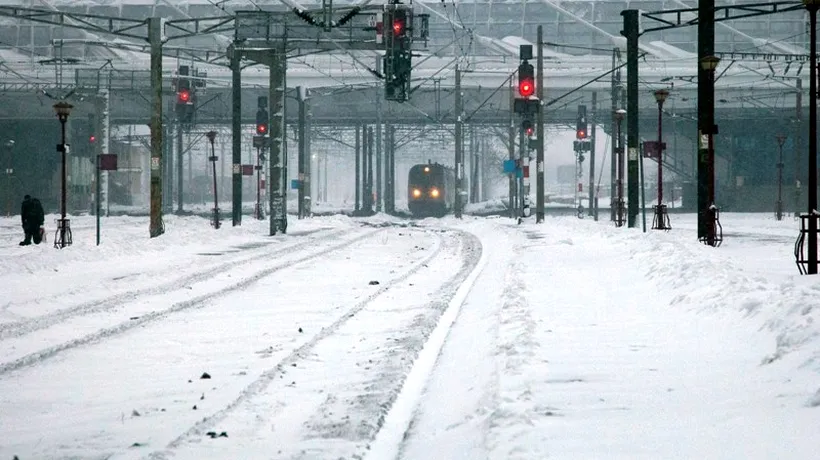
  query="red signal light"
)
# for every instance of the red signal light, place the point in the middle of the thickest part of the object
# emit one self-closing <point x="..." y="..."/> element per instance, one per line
<point x="92" y="138"/>
<point x="526" y="88"/>
<point x="530" y="131"/>
<point x="398" y="27"/>
<point x="183" y="96"/>
<point x="581" y="134"/>
<point x="261" y="129"/>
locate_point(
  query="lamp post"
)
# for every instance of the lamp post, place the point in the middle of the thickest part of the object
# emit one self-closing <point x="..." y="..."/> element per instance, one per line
<point x="63" y="237"/>
<point x="8" y="173"/>
<point x="778" y="210"/>
<point x="661" y="220"/>
<point x="620" y="114"/>
<point x="709" y="64"/>
<point x="211" y="135"/>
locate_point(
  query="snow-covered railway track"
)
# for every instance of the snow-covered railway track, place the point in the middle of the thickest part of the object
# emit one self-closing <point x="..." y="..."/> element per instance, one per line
<point x="141" y="310"/>
<point x="328" y="397"/>
<point x="174" y="279"/>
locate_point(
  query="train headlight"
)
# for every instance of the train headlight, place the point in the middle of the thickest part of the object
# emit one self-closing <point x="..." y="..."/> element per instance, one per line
<point x="416" y="193"/>
<point x="434" y="193"/>
<point x="426" y="169"/>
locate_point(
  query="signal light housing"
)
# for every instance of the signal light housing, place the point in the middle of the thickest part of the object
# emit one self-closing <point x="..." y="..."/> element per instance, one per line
<point x="526" y="79"/>
<point x="183" y="96"/>
<point x="262" y="122"/>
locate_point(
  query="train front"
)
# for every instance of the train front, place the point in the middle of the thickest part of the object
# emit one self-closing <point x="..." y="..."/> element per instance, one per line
<point x="426" y="191"/>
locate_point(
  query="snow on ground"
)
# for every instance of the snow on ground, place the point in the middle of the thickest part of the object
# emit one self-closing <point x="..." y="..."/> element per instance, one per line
<point x="577" y="340"/>
<point x="610" y="343"/>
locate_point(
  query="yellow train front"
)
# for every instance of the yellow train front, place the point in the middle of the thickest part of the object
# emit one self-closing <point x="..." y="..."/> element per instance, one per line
<point x="431" y="190"/>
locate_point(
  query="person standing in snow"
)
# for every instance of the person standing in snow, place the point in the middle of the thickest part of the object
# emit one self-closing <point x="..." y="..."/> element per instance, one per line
<point x="32" y="215"/>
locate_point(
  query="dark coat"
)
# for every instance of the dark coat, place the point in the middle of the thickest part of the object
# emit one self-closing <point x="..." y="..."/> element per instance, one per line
<point x="31" y="212"/>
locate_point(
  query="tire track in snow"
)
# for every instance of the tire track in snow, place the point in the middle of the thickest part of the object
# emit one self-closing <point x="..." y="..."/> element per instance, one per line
<point x="196" y="302"/>
<point x="29" y="325"/>
<point x="259" y="385"/>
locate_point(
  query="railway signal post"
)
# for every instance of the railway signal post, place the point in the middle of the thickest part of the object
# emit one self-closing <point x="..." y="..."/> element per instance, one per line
<point x="527" y="105"/>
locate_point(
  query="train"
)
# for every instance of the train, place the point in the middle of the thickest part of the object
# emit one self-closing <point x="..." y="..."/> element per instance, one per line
<point x="431" y="190"/>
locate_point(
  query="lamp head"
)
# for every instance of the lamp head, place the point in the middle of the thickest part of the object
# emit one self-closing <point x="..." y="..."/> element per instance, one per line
<point x="63" y="110"/>
<point x="661" y="95"/>
<point x="709" y="63"/>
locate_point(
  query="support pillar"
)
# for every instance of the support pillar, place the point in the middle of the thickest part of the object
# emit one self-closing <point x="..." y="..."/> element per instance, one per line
<point x="539" y="132"/>
<point x="357" y="207"/>
<point x="369" y="174"/>
<point x="632" y="32"/>
<point x="511" y="153"/>
<point x="459" y="160"/>
<point x="156" y="226"/>
<point x="236" y="139"/>
<point x="180" y="170"/>
<point x="278" y="152"/>
<point x="593" y="196"/>
<point x="707" y="210"/>
<point x="303" y="157"/>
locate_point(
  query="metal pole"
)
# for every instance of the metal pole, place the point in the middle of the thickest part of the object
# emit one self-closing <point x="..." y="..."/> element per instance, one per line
<point x="379" y="187"/>
<point x="613" y="161"/>
<point x="539" y="131"/>
<point x="798" y="144"/>
<point x="180" y="170"/>
<point x="156" y="226"/>
<point x="660" y="153"/>
<point x="98" y="192"/>
<point x="706" y="43"/>
<point x="259" y="215"/>
<point x="779" y="210"/>
<point x="357" y="206"/>
<point x="302" y="151"/>
<point x="370" y="150"/>
<point x="593" y="202"/>
<point x="278" y="152"/>
<point x="236" y="138"/>
<point x="511" y="152"/>
<point x="459" y="160"/>
<point x="63" y="185"/>
<point x="643" y="197"/>
<point x="632" y="32"/>
<point x="812" y="185"/>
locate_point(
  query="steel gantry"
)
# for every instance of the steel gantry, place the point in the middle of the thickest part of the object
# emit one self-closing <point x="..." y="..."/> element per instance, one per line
<point x="705" y="15"/>
<point x="156" y="32"/>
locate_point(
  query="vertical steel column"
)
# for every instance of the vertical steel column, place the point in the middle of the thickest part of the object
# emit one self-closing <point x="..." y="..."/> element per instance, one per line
<point x="168" y="170"/>
<point x="379" y="144"/>
<point x="613" y="163"/>
<point x="390" y="192"/>
<point x="308" y="159"/>
<point x="236" y="140"/>
<point x="798" y="144"/>
<point x="369" y="180"/>
<point x="539" y="130"/>
<point x="358" y="167"/>
<point x="180" y="169"/>
<point x="706" y="122"/>
<point x="459" y="160"/>
<point x="156" y="226"/>
<point x="301" y="152"/>
<point x="593" y="200"/>
<point x="511" y="152"/>
<point x="276" y="96"/>
<point x="811" y="269"/>
<point x="632" y="34"/>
